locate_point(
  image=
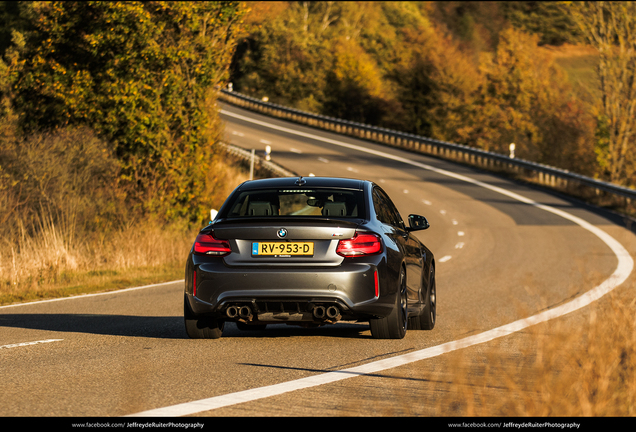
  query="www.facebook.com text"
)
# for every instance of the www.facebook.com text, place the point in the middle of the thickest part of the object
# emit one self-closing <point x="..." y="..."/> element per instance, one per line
<point x="518" y="425"/>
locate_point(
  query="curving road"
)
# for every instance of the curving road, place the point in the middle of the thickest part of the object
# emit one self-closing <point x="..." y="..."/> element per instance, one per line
<point x="508" y="256"/>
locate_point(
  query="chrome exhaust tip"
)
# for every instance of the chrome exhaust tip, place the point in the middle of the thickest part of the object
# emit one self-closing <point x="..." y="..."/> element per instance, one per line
<point x="232" y="312"/>
<point x="333" y="312"/>
<point x="319" y="312"/>
<point x="245" y="312"/>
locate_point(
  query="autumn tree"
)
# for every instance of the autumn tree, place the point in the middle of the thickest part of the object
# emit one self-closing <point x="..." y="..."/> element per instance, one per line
<point x="142" y="75"/>
<point x="282" y="56"/>
<point x="547" y="19"/>
<point x="610" y="27"/>
<point x="436" y="82"/>
<point x="525" y="99"/>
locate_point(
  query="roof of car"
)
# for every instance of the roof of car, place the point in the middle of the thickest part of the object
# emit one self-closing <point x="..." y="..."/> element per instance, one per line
<point x="304" y="182"/>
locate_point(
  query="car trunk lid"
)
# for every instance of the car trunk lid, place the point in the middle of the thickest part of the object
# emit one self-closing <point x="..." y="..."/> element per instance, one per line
<point x="284" y="242"/>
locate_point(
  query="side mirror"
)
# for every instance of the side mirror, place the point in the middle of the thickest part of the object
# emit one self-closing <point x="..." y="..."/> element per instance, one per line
<point x="417" y="223"/>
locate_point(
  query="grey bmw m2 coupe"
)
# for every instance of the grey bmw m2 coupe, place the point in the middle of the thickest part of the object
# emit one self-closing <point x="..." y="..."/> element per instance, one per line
<point x="310" y="251"/>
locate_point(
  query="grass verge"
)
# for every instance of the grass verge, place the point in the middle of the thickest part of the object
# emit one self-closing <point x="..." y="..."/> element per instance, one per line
<point x="75" y="283"/>
<point x="58" y="261"/>
<point x="577" y="366"/>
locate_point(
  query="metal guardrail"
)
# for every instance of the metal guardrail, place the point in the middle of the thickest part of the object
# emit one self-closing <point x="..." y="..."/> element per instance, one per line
<point x="595" y="191"/>
<point x="261" y="163"/>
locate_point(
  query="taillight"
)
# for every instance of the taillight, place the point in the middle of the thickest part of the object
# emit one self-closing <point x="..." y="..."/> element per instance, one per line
<point x="360" y="244"/>
<point x="207" y="244"/>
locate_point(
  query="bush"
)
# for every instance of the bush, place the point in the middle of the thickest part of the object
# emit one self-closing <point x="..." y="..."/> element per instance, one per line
<point x="69" y="175"/>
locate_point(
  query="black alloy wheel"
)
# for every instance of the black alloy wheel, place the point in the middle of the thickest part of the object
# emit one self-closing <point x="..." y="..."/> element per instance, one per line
<point x="429" y="316"/>
<point x="201" y="328"/>
<point x="393" y="326"/>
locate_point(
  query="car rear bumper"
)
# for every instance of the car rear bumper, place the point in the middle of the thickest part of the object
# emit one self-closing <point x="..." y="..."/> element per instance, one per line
<point x="279" y="294"/>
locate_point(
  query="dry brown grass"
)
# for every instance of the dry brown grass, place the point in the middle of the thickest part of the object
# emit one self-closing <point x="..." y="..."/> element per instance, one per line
<point x="51" y="265"/>
<point x="53" y="257"/>
<point x="581" y="366"/>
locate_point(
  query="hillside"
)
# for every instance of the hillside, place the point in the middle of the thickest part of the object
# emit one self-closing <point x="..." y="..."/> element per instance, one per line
<point x="484" y="74"/>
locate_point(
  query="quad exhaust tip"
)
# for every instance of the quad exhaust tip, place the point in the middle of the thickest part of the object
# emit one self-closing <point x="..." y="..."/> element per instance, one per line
<point x="231" y="312"/>
<point x="319" y="312"/>
<point x="245" y="312"/>
<point x="333" y="312"/>
<point x="329" y="313"/>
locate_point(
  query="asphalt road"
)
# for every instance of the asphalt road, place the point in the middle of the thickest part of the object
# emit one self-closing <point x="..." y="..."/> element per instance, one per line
<point x="500" y="260"/>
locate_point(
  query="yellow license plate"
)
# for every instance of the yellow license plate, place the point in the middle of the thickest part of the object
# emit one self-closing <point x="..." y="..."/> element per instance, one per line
<point x="282" y="249"/>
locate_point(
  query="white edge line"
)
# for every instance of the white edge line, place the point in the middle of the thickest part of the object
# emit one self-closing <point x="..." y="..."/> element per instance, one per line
<point x="622" y="272"/>
<point x="22" y="344"/>
<point x="81" y="296"/>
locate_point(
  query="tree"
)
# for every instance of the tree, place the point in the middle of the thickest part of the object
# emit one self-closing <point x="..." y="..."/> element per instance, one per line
<point x="436" y="84"/>
<point x="143" y="76"/>
<point x="283" y="56"/>
<point x="526" y="99"/>
<point x="353" y="85"/>
<point x="610" y="27"/>
<point x="548" y="19"/>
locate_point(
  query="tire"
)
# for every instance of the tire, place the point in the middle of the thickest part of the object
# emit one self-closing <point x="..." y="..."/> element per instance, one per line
<point x="429" y="314"/>
<point x="201" y="328"/>
<point x="393" y="326"/>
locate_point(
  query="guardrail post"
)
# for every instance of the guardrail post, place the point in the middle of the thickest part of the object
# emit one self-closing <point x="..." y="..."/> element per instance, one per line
<point x="252" y="165"/>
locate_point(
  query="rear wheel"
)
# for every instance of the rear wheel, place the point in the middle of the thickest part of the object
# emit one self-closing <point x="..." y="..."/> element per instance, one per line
<point x="201" y="328"/>
<point x="394" y="325"/>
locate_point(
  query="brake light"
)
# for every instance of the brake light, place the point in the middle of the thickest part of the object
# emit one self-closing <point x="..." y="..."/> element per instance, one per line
<point x="207" y="244"/>
<point x="360" y="244"/>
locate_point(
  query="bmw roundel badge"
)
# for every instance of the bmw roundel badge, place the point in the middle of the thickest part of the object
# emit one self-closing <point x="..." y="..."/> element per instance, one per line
<point x="282" y="233"/>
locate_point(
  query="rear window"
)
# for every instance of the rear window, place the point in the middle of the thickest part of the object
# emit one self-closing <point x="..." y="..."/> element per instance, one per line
<point x="337" y="203"/>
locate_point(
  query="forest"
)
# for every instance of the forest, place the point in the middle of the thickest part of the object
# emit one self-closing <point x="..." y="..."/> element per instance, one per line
<point x="109" y="125"/>
<point x="555" y="78"/>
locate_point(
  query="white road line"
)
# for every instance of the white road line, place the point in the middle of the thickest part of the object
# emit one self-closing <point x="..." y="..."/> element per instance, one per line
<point x="460" y="233"/>
<point x="621" y="273"/>
<point x="323" y="160"/>
<point x="444" y="258"/>
<point x="264" y="141"/>
<point x="22" y="344"/>
<point x="293" y="150"/>
<point x="81" y="296"/>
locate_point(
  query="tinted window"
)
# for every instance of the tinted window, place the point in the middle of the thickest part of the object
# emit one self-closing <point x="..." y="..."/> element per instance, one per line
<point x="381" y="208"/>
<point x="385" y="209"/>
<point x="296" y="203"/>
